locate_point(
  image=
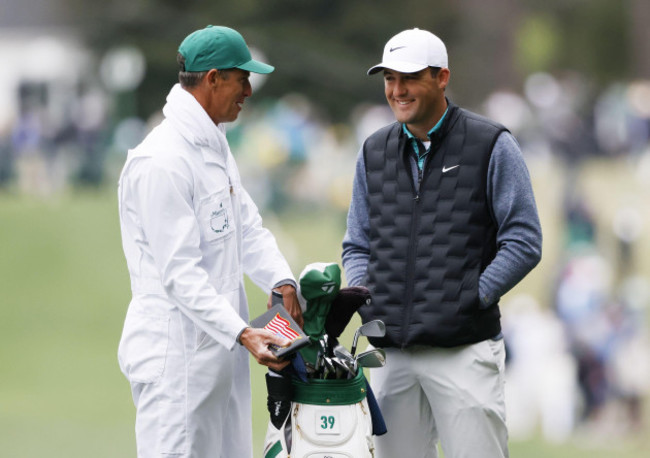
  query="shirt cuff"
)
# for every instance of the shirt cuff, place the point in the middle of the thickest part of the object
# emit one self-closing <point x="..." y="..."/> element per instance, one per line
<point x="238" y="338"/>
<point x="486" y="297"/>
<point x="286" y="281"/>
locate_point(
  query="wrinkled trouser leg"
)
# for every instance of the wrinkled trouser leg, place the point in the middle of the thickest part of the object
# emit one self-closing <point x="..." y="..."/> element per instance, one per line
<point x="455" y="395"/>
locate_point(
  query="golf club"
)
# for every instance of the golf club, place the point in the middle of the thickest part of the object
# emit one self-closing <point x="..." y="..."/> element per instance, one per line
<point x="346" y="358"/>
<point x="342" y="369"/>
<point x="371" y="358"/>
<point x="375" y="328"/>
<point x="344" y="355"/>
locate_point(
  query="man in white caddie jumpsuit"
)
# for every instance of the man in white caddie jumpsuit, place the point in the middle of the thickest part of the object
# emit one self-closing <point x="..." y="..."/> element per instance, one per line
<point x="190" y="232"/>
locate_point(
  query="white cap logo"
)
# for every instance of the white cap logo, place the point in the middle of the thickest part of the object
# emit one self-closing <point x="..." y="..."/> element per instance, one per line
<point x="411" y="51"/>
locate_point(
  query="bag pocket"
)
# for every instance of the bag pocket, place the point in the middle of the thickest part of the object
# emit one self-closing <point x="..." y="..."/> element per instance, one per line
<point x="341" y="431"/>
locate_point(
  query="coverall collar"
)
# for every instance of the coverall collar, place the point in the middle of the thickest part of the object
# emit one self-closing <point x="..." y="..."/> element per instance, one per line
<point x="194" y="124"/>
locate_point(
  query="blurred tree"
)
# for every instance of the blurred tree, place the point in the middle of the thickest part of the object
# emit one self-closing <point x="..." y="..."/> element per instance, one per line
<point x="538" y="43"/>
<point x="482" y="49"/>
<point x="590" y="37"/>
<point x="322" y="48"/>
<point x="638" y="14"/>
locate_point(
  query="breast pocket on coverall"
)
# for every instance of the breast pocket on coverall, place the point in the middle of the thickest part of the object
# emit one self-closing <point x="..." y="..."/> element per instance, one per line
<point x="216" y="216"/>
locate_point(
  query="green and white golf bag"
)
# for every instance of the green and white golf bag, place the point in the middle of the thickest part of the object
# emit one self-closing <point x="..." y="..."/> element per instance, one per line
<point x="328" y="419"/>
<point x="315" y="415"/>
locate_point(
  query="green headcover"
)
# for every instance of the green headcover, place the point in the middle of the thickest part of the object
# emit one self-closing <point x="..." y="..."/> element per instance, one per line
<point x="319" y="284"/>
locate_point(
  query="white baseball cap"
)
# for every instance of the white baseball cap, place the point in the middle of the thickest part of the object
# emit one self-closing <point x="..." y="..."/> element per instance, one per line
<point x="411" y="51"/>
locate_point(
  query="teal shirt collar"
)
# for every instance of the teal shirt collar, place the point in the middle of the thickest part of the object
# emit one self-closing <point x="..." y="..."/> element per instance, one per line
<point x="433" y="129"/>
<point x="416" y="143"/>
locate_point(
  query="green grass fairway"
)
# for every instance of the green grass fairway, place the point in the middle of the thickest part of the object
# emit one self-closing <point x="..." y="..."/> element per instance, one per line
<point x="65" y="291"/>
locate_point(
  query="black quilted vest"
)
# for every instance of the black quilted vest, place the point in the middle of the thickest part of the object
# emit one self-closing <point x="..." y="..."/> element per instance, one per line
<point x="428" y="248"/>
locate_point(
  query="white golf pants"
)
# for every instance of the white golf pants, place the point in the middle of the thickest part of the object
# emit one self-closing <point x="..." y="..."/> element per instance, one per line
<point x="451" y="395"/>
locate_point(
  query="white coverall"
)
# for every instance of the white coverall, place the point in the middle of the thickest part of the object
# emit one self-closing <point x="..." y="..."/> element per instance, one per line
<point x="189" y="232"/>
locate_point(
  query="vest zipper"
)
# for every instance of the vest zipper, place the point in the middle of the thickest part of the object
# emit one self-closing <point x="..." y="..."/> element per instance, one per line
<point x="410" y="262"/>
<point x="417" y="191"/>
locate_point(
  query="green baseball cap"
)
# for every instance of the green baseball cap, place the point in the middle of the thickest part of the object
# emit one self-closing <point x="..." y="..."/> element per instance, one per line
<point x="221" y="48"/>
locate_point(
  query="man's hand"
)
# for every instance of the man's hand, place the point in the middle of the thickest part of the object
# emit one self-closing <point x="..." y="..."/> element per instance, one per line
<point x="290" y="300"/>
<point x="257" y="341"/>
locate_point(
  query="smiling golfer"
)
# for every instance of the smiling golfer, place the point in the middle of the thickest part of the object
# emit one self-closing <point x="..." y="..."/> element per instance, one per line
<point x="442" y="223"/>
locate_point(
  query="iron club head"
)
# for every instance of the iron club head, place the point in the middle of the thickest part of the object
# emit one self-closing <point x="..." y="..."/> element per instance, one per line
<point x="344" y="356"/>
<point x="371" y="358"/>
<point x="374" y="328"/>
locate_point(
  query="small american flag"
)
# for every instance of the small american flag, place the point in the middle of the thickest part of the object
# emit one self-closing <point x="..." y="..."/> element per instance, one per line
<point x="281" y="327"/>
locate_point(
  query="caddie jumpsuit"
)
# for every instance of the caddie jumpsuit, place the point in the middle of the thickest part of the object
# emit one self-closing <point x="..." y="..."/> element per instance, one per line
<point x="189" y="232"/>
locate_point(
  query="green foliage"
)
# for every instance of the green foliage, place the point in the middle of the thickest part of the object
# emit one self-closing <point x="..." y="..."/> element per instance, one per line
<point x="597" y="40"/>
<point x="539" y="43"/>
<point x="323" y="48"/>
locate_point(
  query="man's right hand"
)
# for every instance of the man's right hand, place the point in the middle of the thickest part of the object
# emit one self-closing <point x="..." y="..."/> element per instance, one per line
<point x="257" y="341"/>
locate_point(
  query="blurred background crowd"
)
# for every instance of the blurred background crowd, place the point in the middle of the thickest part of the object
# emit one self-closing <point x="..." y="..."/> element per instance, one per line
<point x="82" y="82"/>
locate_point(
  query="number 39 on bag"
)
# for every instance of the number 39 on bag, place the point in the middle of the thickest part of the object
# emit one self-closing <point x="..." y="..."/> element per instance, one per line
<point x="327" y="422"/>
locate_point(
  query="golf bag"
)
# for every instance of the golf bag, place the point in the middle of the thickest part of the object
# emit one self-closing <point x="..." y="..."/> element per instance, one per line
<point x="327" y="419"/>
<point x="322" y="406"/>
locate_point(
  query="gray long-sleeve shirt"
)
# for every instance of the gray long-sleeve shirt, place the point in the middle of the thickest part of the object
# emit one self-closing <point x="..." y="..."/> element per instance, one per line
<point x="510" y="194"/>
